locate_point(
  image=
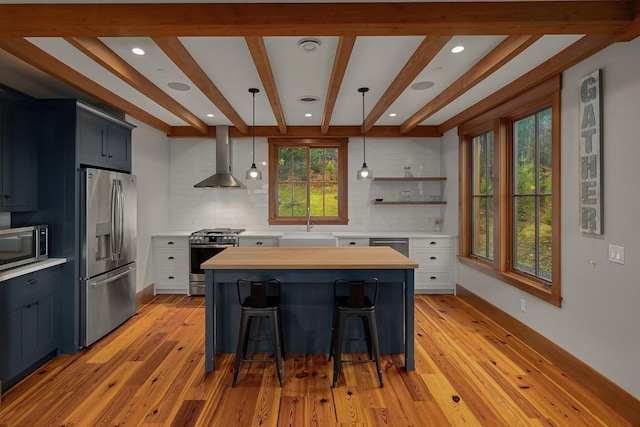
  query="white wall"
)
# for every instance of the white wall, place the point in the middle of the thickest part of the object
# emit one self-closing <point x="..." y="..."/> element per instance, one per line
<point x="598" y="321"/>
<point x="192" y="160"/>
<point x="150" y="157"/>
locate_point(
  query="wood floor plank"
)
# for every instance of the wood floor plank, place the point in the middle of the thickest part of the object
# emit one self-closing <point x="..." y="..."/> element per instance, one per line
<point x="150" y="372"/>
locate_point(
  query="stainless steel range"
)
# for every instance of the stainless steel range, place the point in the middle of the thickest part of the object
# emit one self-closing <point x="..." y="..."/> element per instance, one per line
<point x="203" y="245"/>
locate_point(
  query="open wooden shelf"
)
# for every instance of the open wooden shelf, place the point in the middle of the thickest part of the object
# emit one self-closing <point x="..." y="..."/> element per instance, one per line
<point x="411" y="202"/>
<point x="413" y="178"/>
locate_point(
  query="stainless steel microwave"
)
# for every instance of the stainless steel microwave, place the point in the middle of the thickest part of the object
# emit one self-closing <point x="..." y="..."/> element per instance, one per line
<point x="23" y="245"/>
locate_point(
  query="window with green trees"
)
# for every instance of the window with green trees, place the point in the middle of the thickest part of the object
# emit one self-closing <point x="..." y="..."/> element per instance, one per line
<point x="510" y="192"/>
<point x="308" y="177"/>
<point x="483" y="195"/>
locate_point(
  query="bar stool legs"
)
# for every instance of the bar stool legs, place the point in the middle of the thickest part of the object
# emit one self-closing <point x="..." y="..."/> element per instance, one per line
<point x="253" y="309"/>
<point x="354" y="305"/>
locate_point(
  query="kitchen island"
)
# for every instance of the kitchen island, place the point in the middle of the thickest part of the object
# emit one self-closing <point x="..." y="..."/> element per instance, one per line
<point x="307" y="275"/>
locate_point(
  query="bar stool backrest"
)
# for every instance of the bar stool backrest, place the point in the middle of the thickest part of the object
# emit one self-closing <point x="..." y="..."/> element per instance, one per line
<point x="258" y="293"/>
<point x="361" y="293"/>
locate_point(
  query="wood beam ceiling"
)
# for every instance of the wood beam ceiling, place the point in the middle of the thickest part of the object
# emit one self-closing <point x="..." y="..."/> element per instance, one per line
<point x="503" y="53"/>
<point x="319" y="19"/>
<point x="175" y="50"/>
<point x="422" y="56"/>
<point x="343" y="53"/>
<point x="260" y="58"/>
<point x="34" y="56"/>
<point x="578" y="51"/>
<point x="99" y="52"/>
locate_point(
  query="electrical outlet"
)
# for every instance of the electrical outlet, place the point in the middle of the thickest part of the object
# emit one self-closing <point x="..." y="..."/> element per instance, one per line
<point x="523" y="305"/>
<point x="616" y="254"/>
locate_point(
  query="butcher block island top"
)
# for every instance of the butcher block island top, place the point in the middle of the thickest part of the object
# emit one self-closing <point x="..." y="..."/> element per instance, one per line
<point x="308" y="258"/>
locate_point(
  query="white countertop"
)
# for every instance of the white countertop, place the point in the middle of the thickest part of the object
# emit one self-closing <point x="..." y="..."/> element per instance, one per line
<point x="352" y="234"/>
<point x="30" y="268"/>
<point x="337" y="234"/>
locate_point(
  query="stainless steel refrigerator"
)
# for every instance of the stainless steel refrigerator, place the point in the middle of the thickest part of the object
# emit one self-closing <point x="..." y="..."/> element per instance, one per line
<point x="107" y="252"/>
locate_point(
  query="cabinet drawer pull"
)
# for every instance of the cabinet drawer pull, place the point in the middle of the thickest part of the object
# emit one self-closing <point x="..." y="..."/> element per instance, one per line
<point x="169" y="243"/>
<point x="352" y="243"/>
<point x="432" y="258"/>
<point x="432" y="278"/>
<point x="171" y="277"/>
<point x="259" y="243"/>
<point x="433" y="243"/>
<point x="31" y="282"/>
<point x="170" y="257"/>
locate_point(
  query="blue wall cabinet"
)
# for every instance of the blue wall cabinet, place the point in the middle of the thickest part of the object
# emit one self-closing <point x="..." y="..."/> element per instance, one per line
<point x="19" y="177"/>
<point x="103" y="143"/>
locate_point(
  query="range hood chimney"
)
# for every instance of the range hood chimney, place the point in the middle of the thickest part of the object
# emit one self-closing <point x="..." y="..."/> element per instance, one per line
<point x="222" y="178"/>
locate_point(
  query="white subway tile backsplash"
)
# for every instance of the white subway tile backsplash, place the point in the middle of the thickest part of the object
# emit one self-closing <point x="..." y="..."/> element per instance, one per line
<point x="194" y="159"/>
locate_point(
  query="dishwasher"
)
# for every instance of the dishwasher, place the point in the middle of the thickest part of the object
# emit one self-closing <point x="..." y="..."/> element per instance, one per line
<point x="399" y="244"/>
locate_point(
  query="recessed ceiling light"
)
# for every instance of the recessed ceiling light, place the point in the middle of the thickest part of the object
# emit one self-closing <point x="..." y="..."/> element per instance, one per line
<point x="457" y="49"/>
<point x="308" y="115"/>
<point x="422" y="85"/>
<point x="210" y="115"/>
<point x="161" y="70"/>
<point x="309" y="45"/>
<point x="179" y="86"/>
<point x="392" y="114"/>
<point x="138" y="51"/>
<point x="438" y="69"/>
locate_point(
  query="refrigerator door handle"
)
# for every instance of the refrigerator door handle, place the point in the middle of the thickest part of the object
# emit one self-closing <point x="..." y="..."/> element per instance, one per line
<point x="121" y="222"/>
<point x="113" y="204"/>
<point x="111" y="279"/>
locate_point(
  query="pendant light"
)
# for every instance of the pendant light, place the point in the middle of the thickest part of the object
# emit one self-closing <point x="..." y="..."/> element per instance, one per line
<point x="253" y="173"/>
<point x="364" y="172"/>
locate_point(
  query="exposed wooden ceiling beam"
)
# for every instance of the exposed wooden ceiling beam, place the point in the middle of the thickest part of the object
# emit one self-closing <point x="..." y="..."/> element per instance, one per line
<point x="259" y="54"/>
<point x="422" y="56"/>
<point x="633" y="30"/>
<point x="175" y="50"/>
<point x="316" y="132"/>
<point x="99" y="52"/>
<point x="319" y="19"/>
<point x="578" y="51"/>
<point x="343" y="53"/>
<point x="29" y="53"/>
<point x="503" y="53"/>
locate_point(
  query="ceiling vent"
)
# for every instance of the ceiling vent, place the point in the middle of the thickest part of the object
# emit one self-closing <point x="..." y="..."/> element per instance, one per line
<point x="309" y="99"/>
<point x="309" y="45"/>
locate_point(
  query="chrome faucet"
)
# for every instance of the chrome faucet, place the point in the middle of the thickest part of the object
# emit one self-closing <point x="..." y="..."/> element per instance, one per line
<point x="309" y="226"/>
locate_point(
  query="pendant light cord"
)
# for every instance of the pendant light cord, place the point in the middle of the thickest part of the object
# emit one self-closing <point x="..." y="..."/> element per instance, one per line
<point x="364" y="133"/>
<point x="253" y="127"/>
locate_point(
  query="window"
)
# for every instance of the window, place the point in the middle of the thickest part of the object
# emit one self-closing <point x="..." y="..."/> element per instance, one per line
<point x="510" y="192"/>
<point x="309" y="177"/>
<point x="483" y="195"/>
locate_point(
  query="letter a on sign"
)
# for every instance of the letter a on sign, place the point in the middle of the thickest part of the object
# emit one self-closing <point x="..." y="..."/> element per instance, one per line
<point x="590" y="156"/>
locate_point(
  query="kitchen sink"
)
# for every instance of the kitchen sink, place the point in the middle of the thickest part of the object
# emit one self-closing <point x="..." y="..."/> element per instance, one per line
<point x="304" y="238"/>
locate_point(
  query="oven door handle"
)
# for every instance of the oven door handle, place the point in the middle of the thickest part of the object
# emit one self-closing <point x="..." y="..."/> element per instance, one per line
<point x="211" y="246"/>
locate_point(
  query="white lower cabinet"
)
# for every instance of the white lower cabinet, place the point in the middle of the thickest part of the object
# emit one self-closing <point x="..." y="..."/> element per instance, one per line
<point x="170" y="264"/>
<point x="359" y="241"/>
<point x="436" y="257"/>
<point x="257" y="242"/>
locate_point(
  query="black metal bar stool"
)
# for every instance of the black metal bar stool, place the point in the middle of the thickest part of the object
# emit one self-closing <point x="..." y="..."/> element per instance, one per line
<point x="259" y="299"/>
<point x="354" y="298"/>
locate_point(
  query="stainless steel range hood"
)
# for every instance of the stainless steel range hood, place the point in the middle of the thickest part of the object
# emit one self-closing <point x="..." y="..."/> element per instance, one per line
<point x="222" y="178"/>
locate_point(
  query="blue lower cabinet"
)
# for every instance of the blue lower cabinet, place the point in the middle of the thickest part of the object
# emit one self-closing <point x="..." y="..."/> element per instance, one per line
<point x="27" y="323"/>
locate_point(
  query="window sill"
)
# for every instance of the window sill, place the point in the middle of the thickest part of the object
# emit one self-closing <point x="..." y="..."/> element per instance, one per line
<point x="303" y="221"/>
<point x="525" y="284"/>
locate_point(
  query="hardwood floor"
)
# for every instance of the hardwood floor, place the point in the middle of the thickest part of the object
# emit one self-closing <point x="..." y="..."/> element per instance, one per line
<point x="150" y="372"/>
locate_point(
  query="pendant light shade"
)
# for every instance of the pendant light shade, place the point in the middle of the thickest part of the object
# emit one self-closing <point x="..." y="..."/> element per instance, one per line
<point x="364" y="172"/>
<point x="253" y="173"/>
